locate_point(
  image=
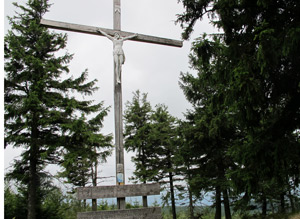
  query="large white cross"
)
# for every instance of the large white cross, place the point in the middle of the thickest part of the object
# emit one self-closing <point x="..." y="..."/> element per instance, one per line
<point x="120" y="176"/>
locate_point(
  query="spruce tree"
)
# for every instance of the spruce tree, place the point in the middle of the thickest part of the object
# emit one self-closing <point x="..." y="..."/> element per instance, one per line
<point x="152" y="135"/>
<point x="208" y="131"/>
<point x="137" y="129"/>
<point x="259" y="72"/>
<point x="164" y="146"/>
<point x="39" y="106"/>
<point x="137" y="118"/>
<point x="86" y="146"/>
<point x="86" y="149"/>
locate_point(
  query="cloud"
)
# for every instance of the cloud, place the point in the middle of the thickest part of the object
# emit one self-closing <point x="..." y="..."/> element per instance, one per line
<point x="150" y="68"/>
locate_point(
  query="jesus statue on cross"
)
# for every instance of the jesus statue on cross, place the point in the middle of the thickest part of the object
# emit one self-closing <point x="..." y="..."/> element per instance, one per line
<point x="119" y="56"/>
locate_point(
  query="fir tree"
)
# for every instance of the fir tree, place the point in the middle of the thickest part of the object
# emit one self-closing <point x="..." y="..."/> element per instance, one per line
<point x="137" y="130"/>
<point x="86" y="148"/>
<point x="39" y="107"/>
<point x="152" y="134"/>
<point x="208" y="132"/>
<point x="257" y="80"/>
<point x="164" y="146"/>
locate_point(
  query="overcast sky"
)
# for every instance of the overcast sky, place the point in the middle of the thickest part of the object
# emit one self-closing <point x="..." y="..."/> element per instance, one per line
<point x="153" y="69"/>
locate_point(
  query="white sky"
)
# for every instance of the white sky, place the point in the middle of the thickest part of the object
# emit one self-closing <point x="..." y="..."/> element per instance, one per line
<point x="153" y="69"/>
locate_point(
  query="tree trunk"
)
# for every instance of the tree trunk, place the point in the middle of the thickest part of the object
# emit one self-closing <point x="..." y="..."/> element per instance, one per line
<point x="94" y="177"/>
<point x="84" y="204"/>
<point x="292" y="202"/>
<point x="33" y="184"/>
<point x="218" y="213"/>
<point x="191" y="205"/>
<point x="145" y="199"/>
<point x="226" y="204"/>
<point x="264" y="205"/>
<point x="282" y="203"/>
<point x="272" y="206"/>
<point x="83" y="185"/>
<point x="172" y="195"/>
<point x="32" y="189"/>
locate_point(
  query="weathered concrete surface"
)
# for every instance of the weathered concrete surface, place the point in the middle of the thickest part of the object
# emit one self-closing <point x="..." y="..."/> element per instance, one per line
<point x="138" y="213"/>
<point x="118" y="191"/>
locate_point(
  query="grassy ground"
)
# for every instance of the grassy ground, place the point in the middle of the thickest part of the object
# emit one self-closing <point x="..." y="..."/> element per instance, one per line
<point x="183" y="214"/>
<point x="295" y="216"/>
<point x="278" y="216"/>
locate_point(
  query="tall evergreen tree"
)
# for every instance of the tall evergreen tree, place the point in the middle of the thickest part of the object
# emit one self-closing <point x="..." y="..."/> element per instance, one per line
<point x="259" y="71"/>
<point x="208" y="132"/>
<point x="164" y="145"/>
<point x="137" y="118"/>
<point x="86" y="148"/>
<point x="39" y="107"/>
<point x="137" y="130"/>
<point x="185" y="160"/>
<point x="152" y="135"/>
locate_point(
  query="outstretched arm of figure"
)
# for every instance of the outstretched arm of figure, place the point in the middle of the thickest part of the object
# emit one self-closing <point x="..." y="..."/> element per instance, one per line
<point x="130" y="37"/>
<point x="105" y="34"/>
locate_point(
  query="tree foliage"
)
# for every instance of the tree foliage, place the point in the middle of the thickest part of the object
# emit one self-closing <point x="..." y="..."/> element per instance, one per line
<point x="152" y="134"/>
<point x="137" y="131"/>
<point x="86" y="147"/>
<point x="40" y="102"/>
<point x="248" y="84"/>
<point x="55" y="204"/>
<point x="208" y="131"/>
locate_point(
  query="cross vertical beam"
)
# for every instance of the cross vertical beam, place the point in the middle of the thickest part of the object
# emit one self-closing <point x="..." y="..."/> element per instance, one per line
<point x="117" y="15"/>
<point x="120" y="173"/>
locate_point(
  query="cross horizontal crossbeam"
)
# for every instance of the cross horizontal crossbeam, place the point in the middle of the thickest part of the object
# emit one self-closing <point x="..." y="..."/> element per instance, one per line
<point x="93" y="30"/>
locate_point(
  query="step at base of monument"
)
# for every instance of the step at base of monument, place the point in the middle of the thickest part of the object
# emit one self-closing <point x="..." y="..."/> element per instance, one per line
<point x="137" y="213"/>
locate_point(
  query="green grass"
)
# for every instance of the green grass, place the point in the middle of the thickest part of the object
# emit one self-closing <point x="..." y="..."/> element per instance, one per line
<point x="208" y="213"/>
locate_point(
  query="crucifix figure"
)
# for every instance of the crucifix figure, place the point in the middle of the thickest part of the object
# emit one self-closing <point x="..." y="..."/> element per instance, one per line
<point x="119" y="59"/>
<point x="119" y="56"/>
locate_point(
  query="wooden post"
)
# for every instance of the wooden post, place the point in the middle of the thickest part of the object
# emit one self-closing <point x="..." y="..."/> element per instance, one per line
<point x="145" y="201"/>
<point x="120" y="173"/>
